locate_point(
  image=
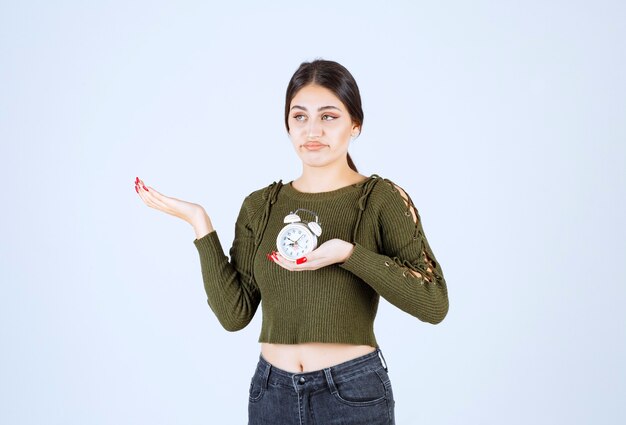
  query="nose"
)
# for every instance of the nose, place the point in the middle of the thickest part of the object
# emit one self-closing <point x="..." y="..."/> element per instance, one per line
<point x="315" y="129"/>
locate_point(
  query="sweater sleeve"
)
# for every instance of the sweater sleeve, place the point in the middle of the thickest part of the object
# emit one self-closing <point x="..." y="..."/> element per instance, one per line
<point x="232" y="292"/>
<point x="405" y="272"/>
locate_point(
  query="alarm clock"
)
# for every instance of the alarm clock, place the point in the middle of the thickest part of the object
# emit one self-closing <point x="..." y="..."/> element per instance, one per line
<point x="298" y="238"/>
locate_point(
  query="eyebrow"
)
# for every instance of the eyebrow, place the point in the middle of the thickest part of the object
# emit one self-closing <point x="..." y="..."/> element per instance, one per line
<point x="322" y="108"/>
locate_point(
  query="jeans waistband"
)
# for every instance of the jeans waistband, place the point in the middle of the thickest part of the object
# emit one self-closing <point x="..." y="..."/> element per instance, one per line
<point x="338" y="373"/>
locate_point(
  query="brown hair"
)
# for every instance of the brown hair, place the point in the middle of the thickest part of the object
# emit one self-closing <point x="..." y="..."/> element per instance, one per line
<point x="334" y="77"/>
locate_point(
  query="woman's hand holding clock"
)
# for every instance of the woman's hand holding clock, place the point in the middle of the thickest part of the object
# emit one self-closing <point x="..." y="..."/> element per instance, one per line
<point x="330" y="252"/>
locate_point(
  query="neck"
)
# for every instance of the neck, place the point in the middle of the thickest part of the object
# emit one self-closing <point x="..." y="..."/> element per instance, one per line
<point x="324" y="179"/>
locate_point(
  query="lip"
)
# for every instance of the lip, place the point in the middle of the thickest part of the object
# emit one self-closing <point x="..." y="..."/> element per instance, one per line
<point x="313" y="146"/>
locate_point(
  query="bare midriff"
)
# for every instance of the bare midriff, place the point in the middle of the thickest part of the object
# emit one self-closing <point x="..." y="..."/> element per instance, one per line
<point x="311" y="356"/>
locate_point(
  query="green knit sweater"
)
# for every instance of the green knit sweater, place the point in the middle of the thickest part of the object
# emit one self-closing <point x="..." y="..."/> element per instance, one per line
<point x="336" y="303"/>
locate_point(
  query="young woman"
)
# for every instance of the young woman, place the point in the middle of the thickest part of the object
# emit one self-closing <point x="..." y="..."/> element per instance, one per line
<point x="319" y="252"/>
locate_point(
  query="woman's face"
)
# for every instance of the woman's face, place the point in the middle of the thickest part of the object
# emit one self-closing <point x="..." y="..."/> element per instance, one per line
<point x="320" y="126"/>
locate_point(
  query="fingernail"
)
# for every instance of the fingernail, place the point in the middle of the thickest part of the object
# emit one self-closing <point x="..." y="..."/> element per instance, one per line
<point x="145" y="188"/>
<point x="136" y="179"/>
<point x="136" y="190"/>
<point x="301" y="260"/>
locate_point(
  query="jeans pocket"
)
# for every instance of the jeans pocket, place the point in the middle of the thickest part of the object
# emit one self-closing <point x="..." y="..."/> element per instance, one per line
<point x="365" y="389"/>
<point x="256" y="389"/>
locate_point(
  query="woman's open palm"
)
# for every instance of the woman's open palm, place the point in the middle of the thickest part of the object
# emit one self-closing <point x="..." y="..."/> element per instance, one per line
<point x="173" y="206"/>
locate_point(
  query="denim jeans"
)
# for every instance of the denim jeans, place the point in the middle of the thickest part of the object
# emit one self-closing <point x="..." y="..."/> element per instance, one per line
<point x="354" y="392"/>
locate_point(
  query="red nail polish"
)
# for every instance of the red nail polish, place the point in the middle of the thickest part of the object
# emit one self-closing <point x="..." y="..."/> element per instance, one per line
<point x="136" y="190"/>
<point x="145" y="188"/>
<point x="136" y="179"/>
<point x="301" y="260"/>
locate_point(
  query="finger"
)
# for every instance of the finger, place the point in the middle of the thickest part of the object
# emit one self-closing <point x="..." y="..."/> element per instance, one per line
<point x="165" y="202"/>
<point x="139" y="186"/>
<point x="281" y="261"/>
<point x="282" y="265"/>
<point x="287" y="264"/>
<point x="156" y="194"/>
<point x="313" y="265"/>
<point x="153" y="198"/>
<point x="142" y="185"/>
<point x="312" y="258"/>
<point x="152" y="202"/>
<point x="141" y="193"/>
<point x="158" y="202"/>
<point x="147" y="196"/>
<point x="294" y="266"/>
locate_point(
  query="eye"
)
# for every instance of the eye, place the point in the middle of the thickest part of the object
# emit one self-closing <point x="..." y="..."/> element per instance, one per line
<point x="327" y="117"/>
<point x="299" y="117"/>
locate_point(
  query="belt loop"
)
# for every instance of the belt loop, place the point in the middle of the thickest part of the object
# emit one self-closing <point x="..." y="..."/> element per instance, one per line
<point x="329" y="379"/>
<point x="382" y="359"/>
<point x="266" y="374"/>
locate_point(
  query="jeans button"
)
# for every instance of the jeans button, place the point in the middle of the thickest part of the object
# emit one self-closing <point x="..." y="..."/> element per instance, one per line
<point x="302" y="380"/>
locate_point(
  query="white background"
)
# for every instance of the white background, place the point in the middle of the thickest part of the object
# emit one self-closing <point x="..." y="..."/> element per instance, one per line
<point x="504" y="121"/>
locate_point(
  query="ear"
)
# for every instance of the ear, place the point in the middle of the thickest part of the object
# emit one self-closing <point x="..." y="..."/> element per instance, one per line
<point x="356" y="130"/>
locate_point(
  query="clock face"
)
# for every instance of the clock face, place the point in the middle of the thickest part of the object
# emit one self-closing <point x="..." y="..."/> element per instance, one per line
<point x="295" y="240"/>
